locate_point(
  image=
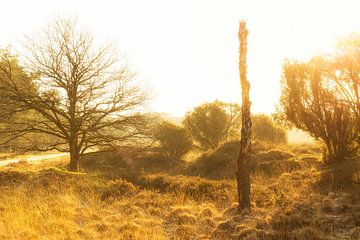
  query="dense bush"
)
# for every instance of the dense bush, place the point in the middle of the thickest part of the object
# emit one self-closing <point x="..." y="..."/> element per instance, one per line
<point x="210" y="124"/>
<point x="264" y="128"/>
<point x="321" y="97"/>
<point x="174" y="141"/>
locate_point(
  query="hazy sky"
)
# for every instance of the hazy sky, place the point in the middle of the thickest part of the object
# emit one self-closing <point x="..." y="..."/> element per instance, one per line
<point x="187" y="50"/>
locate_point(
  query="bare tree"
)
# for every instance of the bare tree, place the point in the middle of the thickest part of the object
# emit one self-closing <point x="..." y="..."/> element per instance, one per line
<point x="243" y="173"/>
<point x="86" y="96"/>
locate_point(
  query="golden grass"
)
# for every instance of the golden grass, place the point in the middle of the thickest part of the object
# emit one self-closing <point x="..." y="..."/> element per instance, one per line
<point x="295" y="201"/>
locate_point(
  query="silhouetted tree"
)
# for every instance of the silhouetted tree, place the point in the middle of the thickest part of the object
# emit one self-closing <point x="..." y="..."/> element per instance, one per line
<point x="311" y="100"/>
<point x="174" y="141"/>
<point x="86" y="96"/>
<point x="243" y="173"/>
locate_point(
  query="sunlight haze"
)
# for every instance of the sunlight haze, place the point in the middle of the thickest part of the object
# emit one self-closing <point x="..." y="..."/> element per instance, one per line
<point x="180" y="119"/>
<point x="188" y="50"/>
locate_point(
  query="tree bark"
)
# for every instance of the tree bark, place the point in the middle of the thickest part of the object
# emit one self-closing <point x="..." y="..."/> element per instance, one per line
<point x="74" y="156"/>
<point x="335" y="154"/>
<point x="74" y="161"/>
<point x="243" y="172"/>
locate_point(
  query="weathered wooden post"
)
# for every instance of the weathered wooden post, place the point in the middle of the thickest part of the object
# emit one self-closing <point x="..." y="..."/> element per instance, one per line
<point x="243" y="172"/>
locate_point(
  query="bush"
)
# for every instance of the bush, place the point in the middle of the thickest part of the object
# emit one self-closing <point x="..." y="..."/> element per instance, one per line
<point x="174" y="141"/>
<point x="316" y="98"/>
<point x="265" y="129"/>
<point x="212" y="123"/>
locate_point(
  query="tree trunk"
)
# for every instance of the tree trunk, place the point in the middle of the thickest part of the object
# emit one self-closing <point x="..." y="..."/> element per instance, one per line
<point x="74" y="156"/>
<point x="74" y="162"/>
<point x="335" y="154"/>
<point x="243" y="172"/>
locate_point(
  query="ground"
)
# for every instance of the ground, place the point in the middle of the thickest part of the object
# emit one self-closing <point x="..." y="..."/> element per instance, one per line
<point x="119" y="195"/>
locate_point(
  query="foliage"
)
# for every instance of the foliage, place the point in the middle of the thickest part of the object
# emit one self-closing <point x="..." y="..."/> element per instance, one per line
<point x="88" y="96"/>
<point x="322" y="97"/>
<point x="265" y="129"/>
<point x="312" y="101"/>
<point x="174" y="141"/>
<point x="345" y="70"/>
<point x="212" y="123"/>
<point x="13" y="79"/>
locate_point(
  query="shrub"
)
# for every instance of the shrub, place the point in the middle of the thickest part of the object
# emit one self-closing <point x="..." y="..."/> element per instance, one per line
<point x="174" y="141"/>
<point x="212" y="123"/>
<point x="315" y="99"/>
<point x="265" y="129"/>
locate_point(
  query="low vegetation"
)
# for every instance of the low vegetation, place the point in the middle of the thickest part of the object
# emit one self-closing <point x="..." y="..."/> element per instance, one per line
<point x="122" y="196"/>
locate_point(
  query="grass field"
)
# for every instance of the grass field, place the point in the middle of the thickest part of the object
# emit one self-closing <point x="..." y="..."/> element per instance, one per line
<point x="122" y="196"/>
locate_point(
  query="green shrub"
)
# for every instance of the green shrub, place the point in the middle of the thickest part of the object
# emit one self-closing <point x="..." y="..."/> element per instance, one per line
<point x="210" y="124"/>
<point x="174" y="141"/>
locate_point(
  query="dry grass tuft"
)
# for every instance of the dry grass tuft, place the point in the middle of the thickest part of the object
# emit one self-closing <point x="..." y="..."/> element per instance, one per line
<point x="274" y="154"/>
<point x="191" y="188"/>
<point x="117" y="189"/>
<point x="8" y="178"/>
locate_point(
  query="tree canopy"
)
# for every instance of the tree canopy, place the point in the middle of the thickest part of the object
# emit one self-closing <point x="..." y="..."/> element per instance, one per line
<point x="321" y="97"/>
<point x="84" y="94"/>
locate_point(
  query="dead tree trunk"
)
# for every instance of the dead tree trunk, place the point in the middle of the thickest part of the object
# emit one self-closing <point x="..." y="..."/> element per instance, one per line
<point x="243" y="172"/>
